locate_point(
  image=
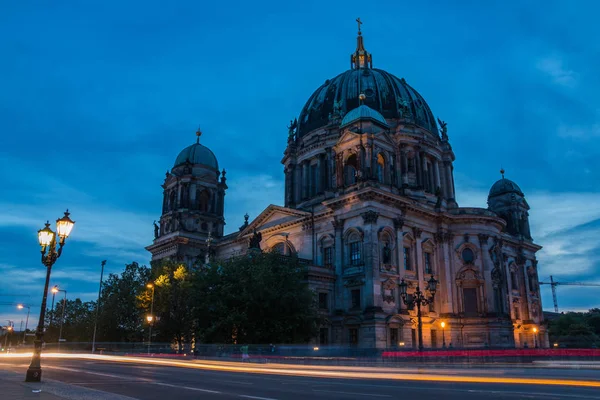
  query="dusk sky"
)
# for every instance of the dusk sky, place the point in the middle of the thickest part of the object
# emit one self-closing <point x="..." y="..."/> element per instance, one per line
<point x="97" y="98"/>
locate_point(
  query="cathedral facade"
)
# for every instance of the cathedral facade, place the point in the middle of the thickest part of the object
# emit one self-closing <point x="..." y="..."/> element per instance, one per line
<point x="370" y="203"/>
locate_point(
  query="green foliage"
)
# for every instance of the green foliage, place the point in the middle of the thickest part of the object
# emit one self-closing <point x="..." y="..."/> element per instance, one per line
<point x="262" y="298"/>
<point x="576" y="330"/>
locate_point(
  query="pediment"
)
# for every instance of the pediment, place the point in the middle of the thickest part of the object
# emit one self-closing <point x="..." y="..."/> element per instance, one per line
<point x="272" y="216"/>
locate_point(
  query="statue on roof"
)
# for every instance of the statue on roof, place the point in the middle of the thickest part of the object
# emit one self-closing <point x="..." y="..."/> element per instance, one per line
<point x="255" y="240"/>
<point x="292" y="128"/>
<point x="443" y="129"/>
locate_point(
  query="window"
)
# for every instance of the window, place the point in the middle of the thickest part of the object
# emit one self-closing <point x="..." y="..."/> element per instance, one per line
<point x="328" y="256"/>
<point x="353" y="336"/>
<point x="279" y="248"/>
<point x="468" y="256"/>
<point x="513" y="280"/>
<point x="355" y="298"/>
<point x="380" y="168"/>
<point x="323" y="303"/>
<point x="350" y="169"/>
<point x="434" y="339"/>
<point x="407" y="265"/>
<point x="470" y="301"/>
<point x="517" y="313"/>
<point x="355" y="253"/>
<point x="323" y="336"/>
<point x="428" y="269"/>
<point x="413" y="334"/>
<point x="393" y="337"/>
<point x="531" y="283"/>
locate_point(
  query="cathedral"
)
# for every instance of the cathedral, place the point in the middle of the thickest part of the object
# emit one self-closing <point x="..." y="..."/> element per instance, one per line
<point x="370" y="210"/>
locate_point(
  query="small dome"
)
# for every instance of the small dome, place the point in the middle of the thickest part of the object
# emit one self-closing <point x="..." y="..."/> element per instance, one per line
<point x="363" y="112"/>
<point x="503" y="186"/>
<point x="197" y="154"/>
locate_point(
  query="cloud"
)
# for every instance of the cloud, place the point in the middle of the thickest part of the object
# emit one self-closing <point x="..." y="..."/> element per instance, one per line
<point x="553" y="66"/>
<point x="579" y="132"/>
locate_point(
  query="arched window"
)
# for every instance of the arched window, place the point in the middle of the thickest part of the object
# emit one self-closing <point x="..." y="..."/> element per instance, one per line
<point x="380" y="168"/>
<point x="327" y="251"/>
<point x="172" y="200"/>
<point x="354" y="249"/>
<point x="279" y="248"/>
<point x="468" y="256"/>
<point x="350" y="169"/>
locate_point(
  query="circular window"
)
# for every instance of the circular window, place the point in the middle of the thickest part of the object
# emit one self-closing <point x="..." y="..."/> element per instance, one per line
<point x="468" y="256"/>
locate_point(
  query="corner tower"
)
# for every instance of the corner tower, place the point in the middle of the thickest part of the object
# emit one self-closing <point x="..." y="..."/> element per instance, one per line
<point x="193" y="206"/>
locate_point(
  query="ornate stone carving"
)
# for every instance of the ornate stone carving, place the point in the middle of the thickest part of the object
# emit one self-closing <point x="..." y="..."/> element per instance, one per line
<point x="338" y="224"/>
<point x="370" y="217"/>
<point x="398" y="222"/>
<point x="496" y="277"/>
<point x="448" y="237"/>
<point x="417" y="232"/>
<point x="386" y="254"/>
<point x="520" y="259"/>
<point x="156" y="228"/>
<point x="483" y="238"/>
<point x="354" y="282"/>
<point x="466" y="237"/>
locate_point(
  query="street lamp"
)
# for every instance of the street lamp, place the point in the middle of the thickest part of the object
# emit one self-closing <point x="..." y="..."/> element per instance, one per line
<point x="20" y="307"/>
<point x="47" y="240"/>
<point x="443" y="325"/>
<point x="535" y="337"/>
<point x="9" y="329"/>
<point x="102" y="264"/>
<point x="54" y="290"/>
<point x="62" y="319"/>
<point x="419" y="299"/>
<point x="150" y="317"/>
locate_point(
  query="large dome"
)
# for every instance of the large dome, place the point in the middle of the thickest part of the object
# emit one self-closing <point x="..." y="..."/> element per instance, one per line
<point x="385" y="93"/>
<point x="503" y="186"/>
<point x="197" y="154"/>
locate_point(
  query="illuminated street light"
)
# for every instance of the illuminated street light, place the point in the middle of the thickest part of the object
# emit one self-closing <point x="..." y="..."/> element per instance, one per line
<point x="419" y="299"/>
<point x="443" y="325"/>
<point x="47" y="241"/>
<point x="535" y="330"/>
<point x="20" y="307"/>
<point x="150" y="317"/>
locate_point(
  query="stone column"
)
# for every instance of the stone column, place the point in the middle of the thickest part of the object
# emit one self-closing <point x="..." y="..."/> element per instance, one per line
<point x="404" y="168"/>
<point x="449" y="186"/>
<point x="436" y="173"/>
<point x="340" y="300"/>
<point x="319" y="178"/>
<point x="418" y="168"/>
<point x="305" y="179"/>
<point x="526" y="283"/>
<point x="399" y="253"/>
<point x="370" y="255"/>
<point x="426" y="180"/>
<point x="418" y="256"/>
<point x="486" y="273"/>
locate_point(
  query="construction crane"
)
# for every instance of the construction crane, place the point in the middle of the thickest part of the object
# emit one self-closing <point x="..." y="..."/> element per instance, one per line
<point x="553" y="285"/>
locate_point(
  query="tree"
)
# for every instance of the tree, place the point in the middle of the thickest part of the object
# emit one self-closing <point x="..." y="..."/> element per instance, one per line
<point x="259" y="298"/>
<point x="121" y="319"/>
<point x="172" y="305"/>
<point x="576" y="329"/>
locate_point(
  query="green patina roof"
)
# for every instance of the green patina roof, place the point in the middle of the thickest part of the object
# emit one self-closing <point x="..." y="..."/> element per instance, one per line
<point x="363" y="112"/>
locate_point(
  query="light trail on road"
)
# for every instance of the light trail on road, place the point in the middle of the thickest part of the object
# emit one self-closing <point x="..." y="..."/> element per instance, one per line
<point x="318" y="371"/>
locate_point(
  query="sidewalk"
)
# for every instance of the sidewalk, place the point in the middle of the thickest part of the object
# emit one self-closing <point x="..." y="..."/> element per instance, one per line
<point x="13" y="387"/>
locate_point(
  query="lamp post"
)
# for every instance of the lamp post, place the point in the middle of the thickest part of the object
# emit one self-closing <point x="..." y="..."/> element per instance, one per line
<point x="47" y="240"/>
<point x="150" y="317"/>
<point x="419" y="299"/>
<point x="102" y="264"/>
<point x="9" y="329"/>
<point x="62" y="319"/>
<point x="443" y="324"/>
<point x="535" y="337"/>
<point x="20" y="307"/>
<point x="54" y="291"/>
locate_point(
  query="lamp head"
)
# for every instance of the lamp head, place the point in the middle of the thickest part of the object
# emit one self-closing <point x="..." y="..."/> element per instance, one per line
<point x="64" y="226"/>
<point x="55" y="289"/>
<point x="403" y="286"/>
<point x="150" y="285"/>
<point x="45" y="235"/>
<point x="443" y="324"/>
<point x="534" y="329"/>
<point x="20" y="306"/>
<point x="149" y="318"/>
<point x="432" y="285"/>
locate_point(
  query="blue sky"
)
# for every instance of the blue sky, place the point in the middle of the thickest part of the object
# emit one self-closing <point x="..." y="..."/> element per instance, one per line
<point x="97" y="99"/>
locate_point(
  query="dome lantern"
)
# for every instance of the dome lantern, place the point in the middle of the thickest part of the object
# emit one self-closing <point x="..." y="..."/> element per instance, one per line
<point x="361" y="58"/>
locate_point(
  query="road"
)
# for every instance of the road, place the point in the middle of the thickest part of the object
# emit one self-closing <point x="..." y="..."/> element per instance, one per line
<point x="181" y="380"/>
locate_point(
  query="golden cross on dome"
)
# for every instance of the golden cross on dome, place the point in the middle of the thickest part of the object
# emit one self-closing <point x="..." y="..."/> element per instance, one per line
<point x="198" y="134"/>
<point x="359" y="22"/>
